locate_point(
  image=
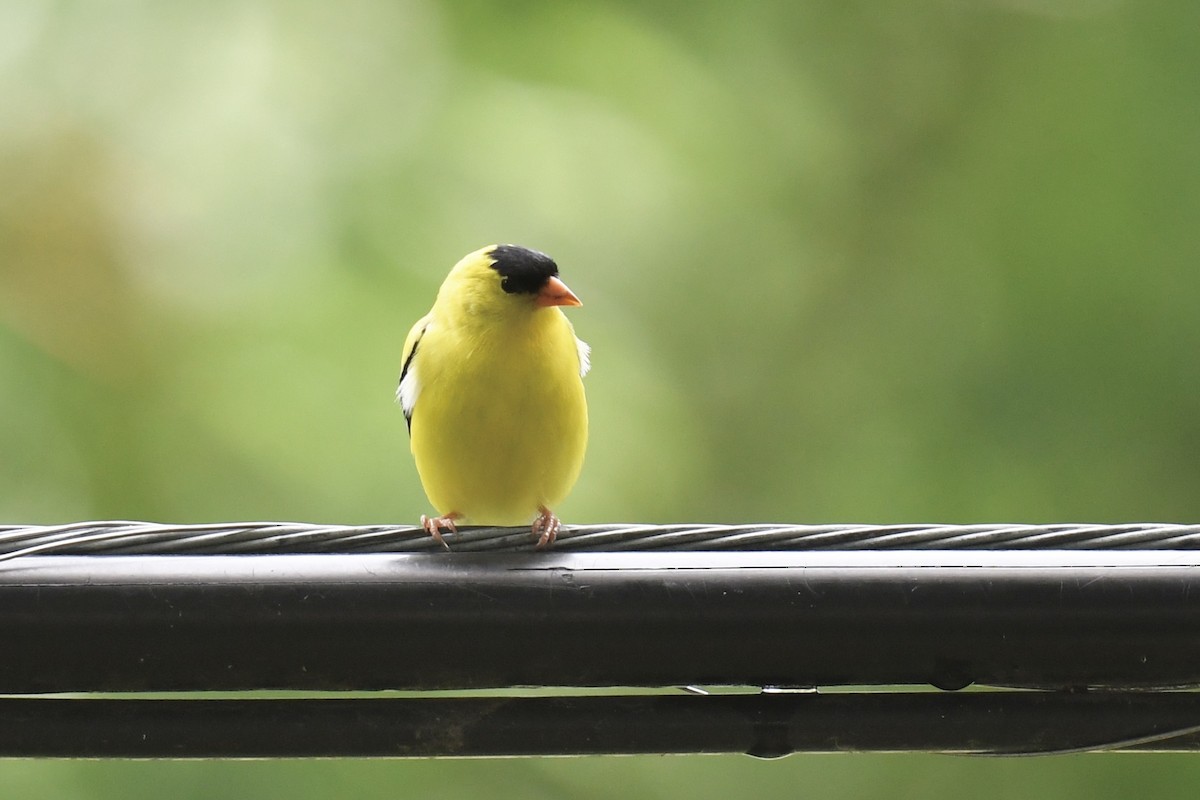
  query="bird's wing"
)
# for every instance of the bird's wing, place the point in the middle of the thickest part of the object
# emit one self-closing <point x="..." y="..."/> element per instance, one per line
<point x="410" y="387"/>
<point x="585" y="356"/>
<point x="582" y="349"/>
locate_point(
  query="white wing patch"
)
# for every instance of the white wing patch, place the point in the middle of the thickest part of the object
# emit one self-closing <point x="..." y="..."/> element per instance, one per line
<point x="410" y="384"/>
<point x="585" y="356"/>
<point x="408" y="390"/>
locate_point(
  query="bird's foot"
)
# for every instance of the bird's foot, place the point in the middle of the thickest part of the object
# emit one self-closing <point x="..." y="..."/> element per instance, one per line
<point x="433" y="526"/>
<point x="545" y="527"/>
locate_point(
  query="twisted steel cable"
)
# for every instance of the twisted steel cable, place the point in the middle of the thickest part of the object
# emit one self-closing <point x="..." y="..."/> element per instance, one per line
<point x="148" y="538"/>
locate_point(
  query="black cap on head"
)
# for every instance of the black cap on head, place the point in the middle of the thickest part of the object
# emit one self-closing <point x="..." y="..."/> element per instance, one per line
<point x="523" y="271"/>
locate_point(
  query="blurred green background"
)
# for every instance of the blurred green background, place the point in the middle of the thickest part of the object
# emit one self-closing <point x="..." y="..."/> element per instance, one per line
<point x="869" y="262"/>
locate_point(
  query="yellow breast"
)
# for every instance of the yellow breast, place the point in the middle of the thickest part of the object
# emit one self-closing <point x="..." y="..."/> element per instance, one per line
<point x="500" y="426"/>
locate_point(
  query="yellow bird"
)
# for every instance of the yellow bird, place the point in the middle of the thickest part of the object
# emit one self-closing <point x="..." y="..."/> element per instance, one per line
<point x="492" y="388"/>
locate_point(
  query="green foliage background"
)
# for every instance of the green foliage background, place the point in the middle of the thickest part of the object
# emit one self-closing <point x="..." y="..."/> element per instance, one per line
<point x="871" y="262"/>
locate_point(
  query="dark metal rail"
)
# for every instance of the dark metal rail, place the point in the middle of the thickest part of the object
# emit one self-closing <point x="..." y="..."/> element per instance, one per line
<point x="771" y="725"/>
<point x="1109" y="637"/>
<point x="451" y="621"/>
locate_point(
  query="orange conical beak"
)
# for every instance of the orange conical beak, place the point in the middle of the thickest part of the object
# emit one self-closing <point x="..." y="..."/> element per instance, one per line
<point x="556" y="293"/>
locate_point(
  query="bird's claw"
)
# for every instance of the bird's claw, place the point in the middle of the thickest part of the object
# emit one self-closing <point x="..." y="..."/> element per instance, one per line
<point x="433" y="526"/>
<point x="545" y="528"/>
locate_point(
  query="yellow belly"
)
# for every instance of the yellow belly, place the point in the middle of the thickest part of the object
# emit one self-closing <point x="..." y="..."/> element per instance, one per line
<point x="499" y="434"/>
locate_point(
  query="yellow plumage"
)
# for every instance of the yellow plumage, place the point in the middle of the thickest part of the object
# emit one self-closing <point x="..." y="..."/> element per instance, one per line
<point x="492" y="387"/>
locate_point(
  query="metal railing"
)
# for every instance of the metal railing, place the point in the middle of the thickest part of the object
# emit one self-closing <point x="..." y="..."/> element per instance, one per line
<point x="792" y="638"/>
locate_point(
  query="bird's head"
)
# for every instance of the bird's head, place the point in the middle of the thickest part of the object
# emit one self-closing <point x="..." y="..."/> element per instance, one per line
<point x="506" y="279"/>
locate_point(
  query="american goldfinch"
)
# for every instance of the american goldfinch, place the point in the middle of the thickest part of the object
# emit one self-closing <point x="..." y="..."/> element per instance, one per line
<point x="493" y="393"/>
